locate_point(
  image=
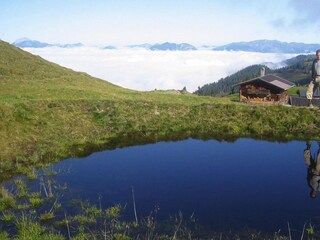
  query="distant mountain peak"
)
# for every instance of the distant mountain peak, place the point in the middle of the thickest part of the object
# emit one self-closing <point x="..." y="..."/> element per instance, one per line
<point x="69" y="45"/>
<point x="166" y="46"/>
<point x="109" y="47"/>
<point x="21" y="40"/>
<point x="269" y="46"/>
<point x="28" y="43"/>
<point x="144" y="45"/>
<point x="172" y="47"/>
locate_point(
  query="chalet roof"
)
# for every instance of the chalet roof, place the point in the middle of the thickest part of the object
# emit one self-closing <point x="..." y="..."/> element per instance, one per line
<point x="273" y="80"/>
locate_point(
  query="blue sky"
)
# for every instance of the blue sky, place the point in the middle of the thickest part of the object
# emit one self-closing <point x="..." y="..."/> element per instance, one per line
<point x="121" y="22"/>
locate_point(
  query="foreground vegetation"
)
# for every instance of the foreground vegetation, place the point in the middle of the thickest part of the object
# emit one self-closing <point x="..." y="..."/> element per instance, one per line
<point x="34" y="208"/>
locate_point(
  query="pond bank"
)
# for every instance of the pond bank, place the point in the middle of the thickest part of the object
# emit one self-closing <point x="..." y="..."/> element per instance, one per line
<point x="45" y="131"/>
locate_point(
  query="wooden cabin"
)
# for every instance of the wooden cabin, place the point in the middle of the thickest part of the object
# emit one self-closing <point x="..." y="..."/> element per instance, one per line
<point x="265" y="89"/>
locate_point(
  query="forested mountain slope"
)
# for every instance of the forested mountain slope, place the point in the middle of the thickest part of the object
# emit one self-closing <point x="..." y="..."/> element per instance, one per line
<point x="297" y="70"/>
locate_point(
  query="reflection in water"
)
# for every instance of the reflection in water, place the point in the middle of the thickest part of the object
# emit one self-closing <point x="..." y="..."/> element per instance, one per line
<point x="239" y="185"/>
<point x="10" y="169"/>
<point x="226" y="185"/>
<point x="313" y="164"/>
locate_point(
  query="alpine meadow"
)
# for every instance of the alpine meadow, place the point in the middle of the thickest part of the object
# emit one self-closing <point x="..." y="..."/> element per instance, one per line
<point x="49" y="113"/>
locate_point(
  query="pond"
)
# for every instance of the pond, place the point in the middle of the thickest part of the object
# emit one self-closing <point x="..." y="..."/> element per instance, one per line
<point x="247" y="183"/>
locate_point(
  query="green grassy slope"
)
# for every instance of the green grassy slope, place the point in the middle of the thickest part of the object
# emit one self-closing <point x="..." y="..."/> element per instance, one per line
<point x="50" y="112"/>
<point x="24" y="76"/>
<point x="44" y="104"/>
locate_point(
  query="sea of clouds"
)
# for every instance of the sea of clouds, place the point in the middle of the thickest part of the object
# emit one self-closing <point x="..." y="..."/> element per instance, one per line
<point x="145" y="70"/>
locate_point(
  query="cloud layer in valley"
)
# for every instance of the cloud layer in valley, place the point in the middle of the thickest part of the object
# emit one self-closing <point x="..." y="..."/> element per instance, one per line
<point x="145" y="70"/>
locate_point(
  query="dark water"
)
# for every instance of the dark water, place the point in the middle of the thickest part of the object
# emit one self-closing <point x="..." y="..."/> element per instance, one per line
<point x="227" y="185"/>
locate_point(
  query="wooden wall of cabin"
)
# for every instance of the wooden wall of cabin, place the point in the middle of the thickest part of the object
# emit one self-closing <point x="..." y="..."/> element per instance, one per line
<point x="257" y="92"/>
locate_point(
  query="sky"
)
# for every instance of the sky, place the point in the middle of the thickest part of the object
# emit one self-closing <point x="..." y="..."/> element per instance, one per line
<point x="119" y="23"/>
<point x="123" y="22"/>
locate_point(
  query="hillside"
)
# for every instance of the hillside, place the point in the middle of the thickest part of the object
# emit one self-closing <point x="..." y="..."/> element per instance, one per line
<point x="297" y="70"/>
<point x="225" y="85"/>
<point x="26" y="76"/>
<point x="49" y="113"/>
<point x="23" y="75"/>
<point x="46" y="108"/>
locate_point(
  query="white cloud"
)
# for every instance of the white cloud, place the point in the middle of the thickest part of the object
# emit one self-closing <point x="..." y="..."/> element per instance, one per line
<point x="141" y="69"/>
<point x="300" y="20"/>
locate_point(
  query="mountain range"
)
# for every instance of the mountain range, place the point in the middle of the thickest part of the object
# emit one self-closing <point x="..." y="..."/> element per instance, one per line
<point x="269" y="46"/>
<point x="27" y="43"/>
<point x="263" y="46"/>
<point x="166" y="46"/>
<point x="172" y="47"/>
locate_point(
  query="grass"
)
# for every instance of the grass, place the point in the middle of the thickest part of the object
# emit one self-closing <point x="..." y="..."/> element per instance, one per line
<point x="295" y="90"/>
<point x="87" y="221"/>
<point x="7" y="200"/>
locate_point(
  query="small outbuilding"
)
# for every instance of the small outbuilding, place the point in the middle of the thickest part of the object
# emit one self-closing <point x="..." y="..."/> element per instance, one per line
<point x="265" y="89"/>
<point x="301" y="99"/>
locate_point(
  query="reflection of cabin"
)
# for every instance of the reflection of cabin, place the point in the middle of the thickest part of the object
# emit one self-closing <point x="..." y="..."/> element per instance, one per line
<point x="265" y="89"/>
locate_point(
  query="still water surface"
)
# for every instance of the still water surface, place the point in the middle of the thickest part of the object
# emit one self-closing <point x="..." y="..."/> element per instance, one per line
<point x="227" y="185"/>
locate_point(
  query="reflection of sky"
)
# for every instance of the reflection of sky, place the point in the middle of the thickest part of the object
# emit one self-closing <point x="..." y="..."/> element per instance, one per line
<point x="140" y="69"/>
<point x="246" y="183"/>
